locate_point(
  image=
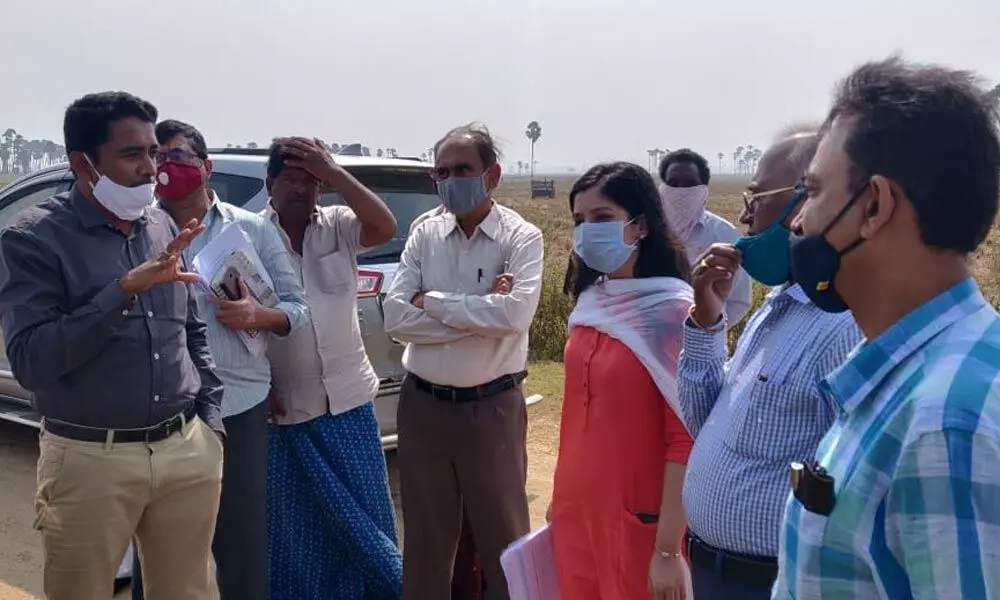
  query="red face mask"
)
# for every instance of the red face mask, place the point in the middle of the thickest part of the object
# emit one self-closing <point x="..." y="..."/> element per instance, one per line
<point x="175" y="182"/>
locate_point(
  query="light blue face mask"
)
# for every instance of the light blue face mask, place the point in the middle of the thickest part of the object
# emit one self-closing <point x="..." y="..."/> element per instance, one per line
<point x="461" y="195"/>
<point x="601" y="246"/>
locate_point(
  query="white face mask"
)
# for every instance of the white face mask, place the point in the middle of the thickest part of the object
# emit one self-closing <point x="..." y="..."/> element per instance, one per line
<point x="126" y="203"/>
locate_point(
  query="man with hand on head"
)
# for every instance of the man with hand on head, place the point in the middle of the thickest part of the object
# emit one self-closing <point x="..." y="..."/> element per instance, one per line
<point x="103" y="328"/>
<point x="182" y="185"/>
<point x="902" y="498"/>
<point x="684" y="176"/>
<point x="463" y="299"/>
<point x="753" y="413"/>
<point x="331" y="519"/>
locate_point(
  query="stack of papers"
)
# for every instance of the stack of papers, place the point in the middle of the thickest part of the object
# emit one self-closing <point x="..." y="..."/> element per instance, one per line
<point x="530" y="566"/>
<point x="228" y="255"/>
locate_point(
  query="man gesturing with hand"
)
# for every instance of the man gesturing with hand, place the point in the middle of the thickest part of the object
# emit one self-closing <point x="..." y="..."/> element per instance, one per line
<point x="103" y="329"/>
<point x="753" y="413"/>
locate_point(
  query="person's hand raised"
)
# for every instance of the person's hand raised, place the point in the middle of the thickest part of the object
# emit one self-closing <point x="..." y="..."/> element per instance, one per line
<point x="313" y="157"/>
<point x="165" y="268"/>
<point x="712" y="280"/>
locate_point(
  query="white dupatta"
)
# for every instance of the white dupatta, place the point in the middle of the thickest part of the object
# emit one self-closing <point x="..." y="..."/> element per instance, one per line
<point x="647" y="315"/>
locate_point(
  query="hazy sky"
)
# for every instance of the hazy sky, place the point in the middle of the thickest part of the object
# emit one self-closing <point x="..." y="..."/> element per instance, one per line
<point x="605" y="79"/>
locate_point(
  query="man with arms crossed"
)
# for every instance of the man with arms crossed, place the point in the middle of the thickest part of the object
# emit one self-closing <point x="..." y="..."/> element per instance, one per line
<point x="463" y="300"/>
<point x="753" y="412"/>
<point x="102" y="327"/>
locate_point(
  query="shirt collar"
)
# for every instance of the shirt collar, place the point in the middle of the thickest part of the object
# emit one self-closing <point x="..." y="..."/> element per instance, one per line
<point x="490" y="225"/>
<point x="789" y="290"/>
<point x="868" y="366"/>
<point x="272" y="215"/>
<point x="90" y="213"/>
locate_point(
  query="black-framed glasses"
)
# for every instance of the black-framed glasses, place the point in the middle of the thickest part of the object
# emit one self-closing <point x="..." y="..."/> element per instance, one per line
<point x="180" y="156"/>
<point x="752" y="199"/>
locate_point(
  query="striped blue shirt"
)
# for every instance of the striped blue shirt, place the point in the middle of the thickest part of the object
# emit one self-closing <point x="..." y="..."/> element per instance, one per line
<point x="754" y="413"/>
<point x="247" y="378"/>
<point x="915" y="457"/>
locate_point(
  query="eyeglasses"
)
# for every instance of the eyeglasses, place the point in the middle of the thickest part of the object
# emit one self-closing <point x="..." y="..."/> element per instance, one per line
<point x="752" y="199"/>
<point x="459" y="170"/>
<point x="180" y="156"/>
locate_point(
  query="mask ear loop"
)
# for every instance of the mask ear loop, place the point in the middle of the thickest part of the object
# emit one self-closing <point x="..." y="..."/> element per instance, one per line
<point x="93" y="184"/>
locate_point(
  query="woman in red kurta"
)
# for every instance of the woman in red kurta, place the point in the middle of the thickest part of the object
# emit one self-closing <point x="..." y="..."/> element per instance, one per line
<point x="616" y="514"/>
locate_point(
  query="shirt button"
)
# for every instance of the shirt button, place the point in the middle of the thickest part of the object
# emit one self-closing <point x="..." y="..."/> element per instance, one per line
<point x="150" y="314"/>
<point x="156" y="357"/>
<point x="156" y="398"/>
<point x="125" y="312"/>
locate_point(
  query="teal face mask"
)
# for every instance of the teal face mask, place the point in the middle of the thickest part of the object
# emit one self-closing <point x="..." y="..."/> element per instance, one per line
<point x="765" y="255"/>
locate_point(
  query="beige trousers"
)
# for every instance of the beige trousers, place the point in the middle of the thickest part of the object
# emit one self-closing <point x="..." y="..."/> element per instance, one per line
<point x="92" y="498"/>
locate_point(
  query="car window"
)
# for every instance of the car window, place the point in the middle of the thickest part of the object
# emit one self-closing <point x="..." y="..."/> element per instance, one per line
<point x="27" y="196"/>
<point x="408" y="193"/>
<point x="14" y="203"/>
<point x="235" y="189"/>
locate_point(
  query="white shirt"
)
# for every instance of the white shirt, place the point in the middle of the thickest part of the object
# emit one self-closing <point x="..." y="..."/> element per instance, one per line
<point x="323" y="367"/>
<point x="466" y="335"/>
<point x="713" y="229"/>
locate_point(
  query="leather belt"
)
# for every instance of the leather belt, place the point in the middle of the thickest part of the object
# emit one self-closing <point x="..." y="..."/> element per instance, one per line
<point x="458" y="394"/>
<point x="156" y="433"/>
<point x="757" y="570"/>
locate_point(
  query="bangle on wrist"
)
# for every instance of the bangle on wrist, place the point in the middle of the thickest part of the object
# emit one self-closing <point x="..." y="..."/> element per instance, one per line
<point x="668" y="555"/>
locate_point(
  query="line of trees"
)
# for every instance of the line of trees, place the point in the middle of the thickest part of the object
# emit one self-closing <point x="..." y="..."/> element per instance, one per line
<point x="19" y="155"/>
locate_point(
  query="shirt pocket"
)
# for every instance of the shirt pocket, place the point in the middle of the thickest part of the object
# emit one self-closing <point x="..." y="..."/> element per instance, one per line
<point x="335" y="273"/>
<point x="779" y="422"/>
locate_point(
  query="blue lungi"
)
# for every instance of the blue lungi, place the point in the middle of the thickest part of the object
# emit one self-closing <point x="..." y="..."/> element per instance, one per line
<point x="331" y="522"/>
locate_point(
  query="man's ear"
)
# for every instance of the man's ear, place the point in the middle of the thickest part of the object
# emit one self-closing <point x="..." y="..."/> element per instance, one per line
<point x="267" y="185"/>
<point x="878" y="207"/>
<point x="207" y="163"/>
<point x="80" y="167"/>
<point x="493" y="175"/>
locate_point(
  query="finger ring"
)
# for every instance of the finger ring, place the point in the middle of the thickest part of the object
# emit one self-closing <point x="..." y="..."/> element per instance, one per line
<point x="704" y="264"/>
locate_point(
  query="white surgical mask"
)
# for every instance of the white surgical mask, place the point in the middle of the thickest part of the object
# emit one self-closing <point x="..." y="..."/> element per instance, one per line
<point x="126" y="203"/>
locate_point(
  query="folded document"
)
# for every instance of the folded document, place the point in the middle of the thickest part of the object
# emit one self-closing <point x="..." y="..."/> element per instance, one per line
<point x="530" y="566"/>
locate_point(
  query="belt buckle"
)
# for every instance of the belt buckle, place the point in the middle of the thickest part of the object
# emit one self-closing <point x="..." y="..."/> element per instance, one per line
<point x="436" y="389"/>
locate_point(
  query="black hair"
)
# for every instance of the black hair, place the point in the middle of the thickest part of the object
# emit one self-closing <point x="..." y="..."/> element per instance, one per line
<point x="88" y="120"/>
<point x="661" y="253"/>
<point x="488" y="149"/>
<point x="169" y="129"/>
<point x="932" y="132"/>
<point x="276" y="156"/>
<point x="686" y="155"/>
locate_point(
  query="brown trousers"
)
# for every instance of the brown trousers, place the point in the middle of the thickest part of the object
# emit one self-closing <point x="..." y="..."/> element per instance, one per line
<point x="457" y="458"/>
<point x="93" y="498"/>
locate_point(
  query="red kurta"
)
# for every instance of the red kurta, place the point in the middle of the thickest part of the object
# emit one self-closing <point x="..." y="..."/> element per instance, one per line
<point x="617" y="435"/>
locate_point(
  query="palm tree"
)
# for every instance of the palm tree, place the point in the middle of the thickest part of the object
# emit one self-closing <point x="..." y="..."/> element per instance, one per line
<point x="252" y="145"/>
<point x="721" y="156"/>
<point x="366" y="151"/>
<point x="533" y="133"/>
<point x="738" y="156"/>
<point x="379" y="153"/>
<point x="749" y="153"/>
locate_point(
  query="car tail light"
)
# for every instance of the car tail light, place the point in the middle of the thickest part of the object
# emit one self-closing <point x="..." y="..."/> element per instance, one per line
<point x="369" y="283"/>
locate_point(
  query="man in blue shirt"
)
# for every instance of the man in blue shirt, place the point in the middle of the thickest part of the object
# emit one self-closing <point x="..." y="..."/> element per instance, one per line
<point x="903" y="499"/>
<point x="240" y="543"/>
<point x="753" y="412"/>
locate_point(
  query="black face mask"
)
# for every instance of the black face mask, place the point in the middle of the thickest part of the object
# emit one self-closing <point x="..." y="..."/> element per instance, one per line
<point x="815" y="263"/>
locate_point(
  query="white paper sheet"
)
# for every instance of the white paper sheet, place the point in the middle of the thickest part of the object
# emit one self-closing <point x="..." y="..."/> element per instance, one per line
<point x="530" y="566"/>
<point x="232" y="247"/>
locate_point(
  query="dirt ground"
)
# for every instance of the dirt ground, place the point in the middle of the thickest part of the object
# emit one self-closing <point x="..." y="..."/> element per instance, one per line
<point x="21" y="553"/>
